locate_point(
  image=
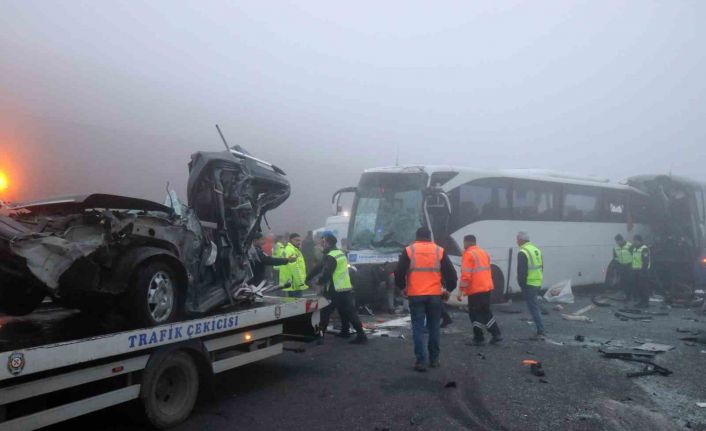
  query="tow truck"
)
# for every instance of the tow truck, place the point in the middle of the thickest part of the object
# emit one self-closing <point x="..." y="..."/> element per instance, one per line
<point x="58" y="367"/>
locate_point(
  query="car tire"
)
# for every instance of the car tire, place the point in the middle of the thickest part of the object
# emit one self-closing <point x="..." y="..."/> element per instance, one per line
<point x="154" y="295"/>
<point x="169" y="390"/>
<point x="16" y="300"/>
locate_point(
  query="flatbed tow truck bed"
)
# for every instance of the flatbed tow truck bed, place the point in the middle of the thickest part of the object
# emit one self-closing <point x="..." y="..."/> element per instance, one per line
<point x="56" y="365"/>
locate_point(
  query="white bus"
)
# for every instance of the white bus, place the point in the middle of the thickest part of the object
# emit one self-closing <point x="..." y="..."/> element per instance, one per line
<point x="572" y="219"/>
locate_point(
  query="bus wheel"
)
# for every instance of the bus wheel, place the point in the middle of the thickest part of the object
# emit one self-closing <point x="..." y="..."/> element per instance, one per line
<point x="498" y="295"/>
<point x="169" y="390"/>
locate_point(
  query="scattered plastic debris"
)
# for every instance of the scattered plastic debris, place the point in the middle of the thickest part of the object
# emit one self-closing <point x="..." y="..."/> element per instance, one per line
<point x="625" y="317"/>
<point x="451" y="384"/>
<point x="654" y="347"/>
<point x="535" y="367"/>
<point x="601" y="301"/>
<point x="558" y="307"/>
<point x="560" y="293"/>
<point x="580" y="338"/>
<point x="583" y="310"/>
<point x="576" y="318"/>
<point x="702" y="405"/>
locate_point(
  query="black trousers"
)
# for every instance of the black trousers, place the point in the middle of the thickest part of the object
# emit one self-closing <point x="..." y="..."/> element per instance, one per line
<point x="481" y="316"/>
<point x="625" y="280"/>
<point x="641" y="287"/>
<point x="344" y="302"/>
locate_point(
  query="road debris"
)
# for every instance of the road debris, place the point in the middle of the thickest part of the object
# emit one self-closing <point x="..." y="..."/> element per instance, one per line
<point x="558" y="307"/>
<point x="560" y="293"/>
<point x="623" y="316"/>
<point x="625" y="353"/>
<point x="583" y="310"/>
<point x="451" y="384"/>
<point x="645" y="312"/>
<point x="654" y="347"/>
<point x="702" y="405"/>
<point x="535" y="367"/>
<point x="576" y="318"/>
<point x="580" y="338"/>
<point x="600" y="301"/>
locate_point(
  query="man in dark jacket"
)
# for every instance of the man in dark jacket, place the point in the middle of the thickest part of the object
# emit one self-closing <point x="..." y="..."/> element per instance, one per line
<point x="259" y="260"/>
<point x="333" y="275"/>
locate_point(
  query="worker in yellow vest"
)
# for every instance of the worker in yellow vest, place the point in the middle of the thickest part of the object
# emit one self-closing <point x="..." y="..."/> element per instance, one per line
<point x="333" y="275"/>
<point x="294" y="273"/>
<point x="641" y="264"/>
<point x="530" y="273"/>
<point x="622" y="256"/>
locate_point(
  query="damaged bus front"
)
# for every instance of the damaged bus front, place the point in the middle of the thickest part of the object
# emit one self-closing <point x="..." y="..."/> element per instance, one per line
<point x="678" y="240"/>
<point x="151" y="261"/>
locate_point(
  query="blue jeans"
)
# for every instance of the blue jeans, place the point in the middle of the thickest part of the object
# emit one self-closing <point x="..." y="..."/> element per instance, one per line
<point x="294" y="293"/>
<point x="530" y="293"/>
<point x="426" y="308"/>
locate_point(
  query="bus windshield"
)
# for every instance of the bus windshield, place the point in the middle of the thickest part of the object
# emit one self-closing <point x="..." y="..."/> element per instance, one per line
<point x="387" y="210"/>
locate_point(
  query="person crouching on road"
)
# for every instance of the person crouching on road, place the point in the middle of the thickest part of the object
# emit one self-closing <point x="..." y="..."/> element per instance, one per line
<point x="421" y="271"/>
<point x="477" y="283"/>
<point x="530" y="273"/>
<point x="337" y="287"/>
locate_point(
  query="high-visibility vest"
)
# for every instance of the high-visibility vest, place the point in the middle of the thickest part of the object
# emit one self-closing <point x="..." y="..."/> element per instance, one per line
<point x="475" y="271"/>
<point x="341" y="277"/>
<point x="535" y="266"/>
<point x="624" y="254"/>
<point x="294" y="271"/>
<point x="637" y="257"/>
<point x="424" y="274"/>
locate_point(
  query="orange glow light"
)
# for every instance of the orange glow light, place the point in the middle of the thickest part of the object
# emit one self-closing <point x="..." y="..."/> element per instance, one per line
<point x="4" y="182"/>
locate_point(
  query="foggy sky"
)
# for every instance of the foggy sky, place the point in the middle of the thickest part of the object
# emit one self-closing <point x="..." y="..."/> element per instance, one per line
<point x="115" y="96"/>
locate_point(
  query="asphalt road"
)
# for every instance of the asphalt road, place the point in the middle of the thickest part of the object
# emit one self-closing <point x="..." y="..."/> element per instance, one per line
<point x="373" y="387"/>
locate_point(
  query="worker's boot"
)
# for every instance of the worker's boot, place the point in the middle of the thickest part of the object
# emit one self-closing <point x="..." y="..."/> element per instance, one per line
<point x="419" y="366"/>
<point x="360" y="338"/>
<point x="446" y="320"/>
<point x="342" y="334"/>
<point x="495" y="332"/>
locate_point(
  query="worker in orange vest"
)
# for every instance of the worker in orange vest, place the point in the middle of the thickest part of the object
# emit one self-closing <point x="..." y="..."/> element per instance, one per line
<point x="477" y="284"/>
<point x="422" y="270"/>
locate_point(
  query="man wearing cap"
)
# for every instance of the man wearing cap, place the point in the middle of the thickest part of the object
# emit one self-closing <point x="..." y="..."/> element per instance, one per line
<point x="333" y="274"/>
<point x="426" y="275"/>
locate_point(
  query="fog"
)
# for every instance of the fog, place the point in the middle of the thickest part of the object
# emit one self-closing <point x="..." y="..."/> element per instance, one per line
<point x="115" y="96"/>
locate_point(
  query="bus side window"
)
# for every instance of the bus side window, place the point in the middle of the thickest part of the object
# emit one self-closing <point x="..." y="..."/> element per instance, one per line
<point x="534" y="200"/>
<point x="581" y="203"/>
<point x="615" y="206"/>
<point x="484" y="199"/>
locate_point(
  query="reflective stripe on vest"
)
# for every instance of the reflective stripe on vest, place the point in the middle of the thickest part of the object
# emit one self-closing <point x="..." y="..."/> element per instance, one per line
<point x="623" y="254"/>
<point x="476" y="276"/>
<point x="535" y="265"/>
<point x="637" y="258"/>
<point x="341" y="277"/>
<point x="424" y="274"/>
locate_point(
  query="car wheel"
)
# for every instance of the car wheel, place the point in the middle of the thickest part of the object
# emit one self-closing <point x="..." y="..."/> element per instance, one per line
<point x="169" y="390"/>
<point x="155" y="295"/>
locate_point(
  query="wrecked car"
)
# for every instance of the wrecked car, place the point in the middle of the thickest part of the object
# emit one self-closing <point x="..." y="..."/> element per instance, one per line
<point x="150" y="261"/>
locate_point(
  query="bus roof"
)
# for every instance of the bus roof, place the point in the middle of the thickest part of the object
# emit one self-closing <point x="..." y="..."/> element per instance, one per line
<point x="467" y="174"/>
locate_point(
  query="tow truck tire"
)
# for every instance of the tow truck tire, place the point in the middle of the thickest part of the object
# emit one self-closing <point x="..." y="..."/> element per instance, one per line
<point x="16" y="300"/>
<point x="169" y="390"/>
<point x="158" y="278"/>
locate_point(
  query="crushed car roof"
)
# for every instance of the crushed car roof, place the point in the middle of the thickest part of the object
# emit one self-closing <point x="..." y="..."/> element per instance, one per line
<point x="95" y="200"/>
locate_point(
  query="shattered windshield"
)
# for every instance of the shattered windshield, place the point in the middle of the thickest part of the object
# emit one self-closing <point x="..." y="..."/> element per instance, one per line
<point x="387" y="211"/>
